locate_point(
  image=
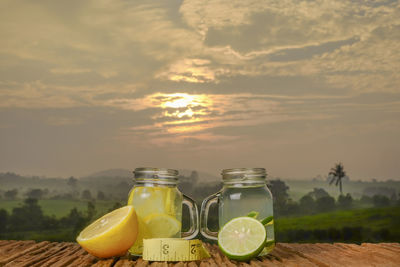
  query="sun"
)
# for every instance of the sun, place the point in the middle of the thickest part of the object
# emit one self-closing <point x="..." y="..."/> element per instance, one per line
<point x="179" y="100"/>
<point x="183" y="112"/>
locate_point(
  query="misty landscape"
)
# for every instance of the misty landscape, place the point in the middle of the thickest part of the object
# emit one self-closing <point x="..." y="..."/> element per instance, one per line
<point x="307" y="91"/>
<point x="44" y="208"/>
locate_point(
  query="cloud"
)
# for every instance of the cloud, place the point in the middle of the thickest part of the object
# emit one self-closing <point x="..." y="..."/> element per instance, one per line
<point x="344" y="44"/>
<point x="101" y="48"/>
<point x="202" y="71"/>
<point x="178" y="117"/>
<point x="189" y="70"/>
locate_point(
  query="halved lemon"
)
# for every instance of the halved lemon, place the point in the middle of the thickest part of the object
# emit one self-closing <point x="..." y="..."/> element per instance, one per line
<point x="111" y="235"/>
<point x="162" y="225"/>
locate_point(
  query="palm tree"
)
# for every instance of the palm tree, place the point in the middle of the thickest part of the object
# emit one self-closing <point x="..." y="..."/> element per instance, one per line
<point x="337" y="174"/>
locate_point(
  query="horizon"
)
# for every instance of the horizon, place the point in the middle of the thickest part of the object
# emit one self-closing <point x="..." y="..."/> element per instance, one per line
<point x="294" y="87"/>
<point x="318" y="178"/>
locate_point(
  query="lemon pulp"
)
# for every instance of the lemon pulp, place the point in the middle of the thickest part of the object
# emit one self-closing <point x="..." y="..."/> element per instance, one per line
<point x="111" y="235"/>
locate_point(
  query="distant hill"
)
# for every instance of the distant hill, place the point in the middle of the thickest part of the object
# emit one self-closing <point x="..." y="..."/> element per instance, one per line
<point x="125" y="173"/>
<point x="203" y="176"/>
<point x="112" y="173"/>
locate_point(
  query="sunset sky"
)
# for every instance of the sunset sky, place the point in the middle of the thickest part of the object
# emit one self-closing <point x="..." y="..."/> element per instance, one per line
<point x="292" y="86"/>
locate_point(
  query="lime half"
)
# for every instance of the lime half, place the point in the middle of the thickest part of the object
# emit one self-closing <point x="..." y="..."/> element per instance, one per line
<point x="242" y="238"/>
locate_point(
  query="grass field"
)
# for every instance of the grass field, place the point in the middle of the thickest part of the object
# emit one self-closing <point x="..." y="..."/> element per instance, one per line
<point x="374" y="218"/>
<point x="59" y="207"/>
<point x="370" y="224"/>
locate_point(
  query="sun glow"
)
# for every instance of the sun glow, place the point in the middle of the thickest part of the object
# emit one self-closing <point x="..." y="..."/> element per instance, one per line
<point x="184" y="109"/>
<point x="183" y="100"/>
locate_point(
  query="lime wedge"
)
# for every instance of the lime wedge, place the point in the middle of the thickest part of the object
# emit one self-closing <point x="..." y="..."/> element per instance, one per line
<point x="242" y="238"/>
<point x="253" y="214"/>
<point x="268" y="220"/>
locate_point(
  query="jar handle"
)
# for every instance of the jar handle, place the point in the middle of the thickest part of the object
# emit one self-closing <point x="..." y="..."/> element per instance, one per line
<point x="194" y="218"/>
<point x="205" y="207"/>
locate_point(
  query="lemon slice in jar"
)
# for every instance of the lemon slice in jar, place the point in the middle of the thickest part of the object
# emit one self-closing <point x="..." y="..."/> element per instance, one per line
<point x="161" y="225"/>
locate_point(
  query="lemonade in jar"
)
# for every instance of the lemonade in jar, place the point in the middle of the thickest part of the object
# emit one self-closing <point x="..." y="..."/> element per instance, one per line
<point x="158" y="205"/>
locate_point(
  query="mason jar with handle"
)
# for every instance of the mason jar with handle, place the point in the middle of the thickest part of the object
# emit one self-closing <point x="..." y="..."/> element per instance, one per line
<point x="244" y="192"/>
<point x="158" y="205"/>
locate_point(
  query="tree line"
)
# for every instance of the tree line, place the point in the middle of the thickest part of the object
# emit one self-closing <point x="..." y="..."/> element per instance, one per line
<point x="29" y="222"/>
<point x="318" y="201"/>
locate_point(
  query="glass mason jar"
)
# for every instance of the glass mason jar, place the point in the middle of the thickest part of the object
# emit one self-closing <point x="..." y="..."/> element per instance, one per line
<point x="158" y="205"/>
<point x="244" y="190"/>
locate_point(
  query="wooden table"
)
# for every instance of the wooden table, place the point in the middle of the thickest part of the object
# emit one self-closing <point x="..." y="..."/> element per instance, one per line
<point x="31" y="253"/>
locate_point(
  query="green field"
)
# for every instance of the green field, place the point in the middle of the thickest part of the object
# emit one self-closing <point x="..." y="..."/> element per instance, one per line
<point x="374" y="218"/>
<point x="60" y="207"/>
<point x="372" y="224"/>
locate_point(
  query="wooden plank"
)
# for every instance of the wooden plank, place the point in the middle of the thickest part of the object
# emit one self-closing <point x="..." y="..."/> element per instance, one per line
<point x="395" y="247"/>
<point x="68" y="256"/>
<point x="7" y="250"/>
<point x="282" y="257"/>
<point x="29" y="253"/>
<point x="344" y="255"/>
<point x="9" y="257"/>
<point x="75" y="253"/>
<point x="104" y="263"/>
<point x="13" y="247"/>
<point x="380" y="255"/>
<point x="39" y="258"/>
<point x="124" y="263"/>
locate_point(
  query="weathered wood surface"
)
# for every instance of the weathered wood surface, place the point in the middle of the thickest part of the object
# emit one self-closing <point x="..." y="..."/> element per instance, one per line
<point x="30" y="253"/>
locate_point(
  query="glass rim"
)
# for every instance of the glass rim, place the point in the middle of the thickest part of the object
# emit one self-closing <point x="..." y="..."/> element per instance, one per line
<point x="244" y="175"/>
<point x="151" y="174"/>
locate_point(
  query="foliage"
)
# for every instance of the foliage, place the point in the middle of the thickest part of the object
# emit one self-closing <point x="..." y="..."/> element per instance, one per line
<point x="307" y="204"/>
<point x="325" y="204"/>
<point x="11" y="194"/>
<point x="60" y="207"/>
<point x="117" y="205"/>
<point x="28" y="221"/>
<point x="337" y="174"/>
<point x="27" y="217"/>
<point x="3" y="220"/>
<point x="72" y="182"/>
<point x="62" y="214"/>
<point x="37" y="193"/>
<point x="101" y="195"/>
<point x="380" y="201"/>
<point x="86" y="195"/>
<point x="280" y="195"/>
<point x="318" y="193"/>
<point x="365" y="225"/>
<point x="345" y="202"/>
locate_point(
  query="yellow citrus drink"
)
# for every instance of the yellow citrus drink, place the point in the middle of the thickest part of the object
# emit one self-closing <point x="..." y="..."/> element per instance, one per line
<point x="159" y="213"/>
